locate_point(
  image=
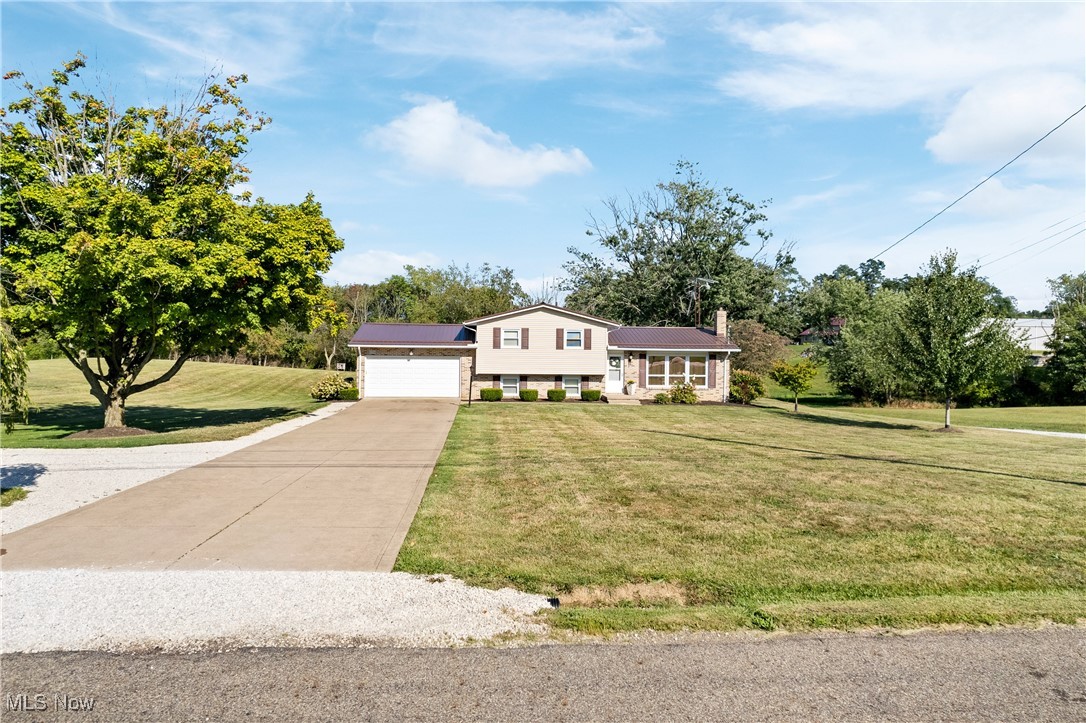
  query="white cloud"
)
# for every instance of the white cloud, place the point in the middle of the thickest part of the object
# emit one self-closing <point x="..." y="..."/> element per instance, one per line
<point x="435" y="138"/>
<point x="375" y="265"/>
<point x="998" y="200"/>
<point x="880" y="56"/>
<point x="796" y="203"/>
<point x="517" y="39"/>
<point x="269" y="43"/>
<point x="997" y="119"/>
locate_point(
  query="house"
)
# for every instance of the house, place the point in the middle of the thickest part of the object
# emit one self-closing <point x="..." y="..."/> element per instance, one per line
<point x="1035" y="336"/>
<point x="540" y="347"/>
<point x="814" y="334"/>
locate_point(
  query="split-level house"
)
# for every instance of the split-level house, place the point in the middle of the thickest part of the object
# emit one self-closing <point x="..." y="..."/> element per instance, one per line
<point x="541" y="347"/>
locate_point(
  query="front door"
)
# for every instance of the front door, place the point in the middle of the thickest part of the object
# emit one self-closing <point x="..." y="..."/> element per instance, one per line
<point x="614" y="374"/>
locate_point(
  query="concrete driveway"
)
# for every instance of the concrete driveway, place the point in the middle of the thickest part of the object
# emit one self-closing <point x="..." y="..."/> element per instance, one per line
<point x="338" y="494"/>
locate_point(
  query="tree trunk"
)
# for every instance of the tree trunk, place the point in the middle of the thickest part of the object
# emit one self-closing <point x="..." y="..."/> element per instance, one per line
<point x="114" y="410"/>
<point x="795" y="403"/>
<point x="946" y="416"/>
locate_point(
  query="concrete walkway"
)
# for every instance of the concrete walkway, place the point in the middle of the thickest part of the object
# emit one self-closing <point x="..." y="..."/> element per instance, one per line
<point x="338" y="494"/>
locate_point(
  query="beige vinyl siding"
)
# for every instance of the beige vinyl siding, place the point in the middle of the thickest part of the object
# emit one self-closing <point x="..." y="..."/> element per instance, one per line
<point x="541" y="356"/>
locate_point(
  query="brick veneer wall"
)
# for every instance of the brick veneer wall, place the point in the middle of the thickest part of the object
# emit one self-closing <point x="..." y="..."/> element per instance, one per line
<point x="716" y="393"/>
<point x="539" y="382"/>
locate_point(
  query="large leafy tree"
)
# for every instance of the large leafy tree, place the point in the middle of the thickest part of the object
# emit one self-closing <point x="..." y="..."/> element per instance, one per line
<point x="123" y="238"/>
<point x="676" y="253"/>
<point x="947" y="341"/>
<point x="863" y="361"/>
<point x="1067" y="367"/>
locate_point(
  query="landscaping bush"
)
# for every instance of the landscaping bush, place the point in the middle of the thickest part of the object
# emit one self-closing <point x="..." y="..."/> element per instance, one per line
<point x="349" y="395"/>
<point x="529" y="395"/>
<point x="556" y="395"/>
<point x="591" y="395"/>
<point x="329" y="387"/>
<point x="663" y="398"/>
<point x="490" y="395"/>
<point x="683" y="393"/>
<point x="746" y="386"/>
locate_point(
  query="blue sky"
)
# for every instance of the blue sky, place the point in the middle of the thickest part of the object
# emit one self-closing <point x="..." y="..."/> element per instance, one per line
<point x="473" y="133"/>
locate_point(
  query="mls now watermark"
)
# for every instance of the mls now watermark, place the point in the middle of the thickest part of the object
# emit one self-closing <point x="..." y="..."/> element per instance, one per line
<point x="41" y="701"/>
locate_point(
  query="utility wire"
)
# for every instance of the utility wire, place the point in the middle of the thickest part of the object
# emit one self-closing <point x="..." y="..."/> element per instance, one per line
<point x="1016" y="251"/>
<point x="1049" y="248"/>
<point x="992" y="175"/>
<point x="1022" y="240"/>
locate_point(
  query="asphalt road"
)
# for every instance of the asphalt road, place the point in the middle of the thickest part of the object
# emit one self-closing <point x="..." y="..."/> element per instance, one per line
<point x="1010" y="674"/>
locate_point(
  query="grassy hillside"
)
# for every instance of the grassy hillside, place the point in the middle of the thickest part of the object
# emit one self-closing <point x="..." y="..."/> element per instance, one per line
<point x="673" y="517"/>
<point x="204" y="402"/>
<point x="822" y="391"/>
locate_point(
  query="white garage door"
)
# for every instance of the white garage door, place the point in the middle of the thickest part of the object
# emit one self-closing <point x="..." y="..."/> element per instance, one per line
<point x="412" y="376"/>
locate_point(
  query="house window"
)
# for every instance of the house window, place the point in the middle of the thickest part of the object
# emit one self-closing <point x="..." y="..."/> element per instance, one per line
<point x="510" y="386"/>
<point x="510" y="338"/>
<point x="572" y="385"/>
<point x="573" y="338"/>
<point x="665" y="369"/>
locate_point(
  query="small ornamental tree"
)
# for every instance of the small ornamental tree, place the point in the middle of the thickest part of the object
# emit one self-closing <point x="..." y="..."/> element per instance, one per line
<point x="947" y="341"/>
<point x="796" y="378"/>
<point x="123" y="239"/>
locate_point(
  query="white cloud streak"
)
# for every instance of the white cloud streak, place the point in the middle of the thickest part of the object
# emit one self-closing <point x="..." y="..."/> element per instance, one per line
<point x="376" y="265"/>
<point x="873" y="57"/>
<point x="525" y="40"/>
<point x="436" y="139"/>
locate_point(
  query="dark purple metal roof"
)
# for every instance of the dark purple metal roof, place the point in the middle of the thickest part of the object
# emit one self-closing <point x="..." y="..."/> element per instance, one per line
<point x="375" y="334"/>
<point x="667" y="337"/>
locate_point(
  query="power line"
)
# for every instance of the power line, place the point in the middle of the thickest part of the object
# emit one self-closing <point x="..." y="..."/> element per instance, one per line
<point x="1025" y="238"/>
<point x="1016" y="251"/>
<point x="1049" y="248"/>
<point x="992" y="175"/>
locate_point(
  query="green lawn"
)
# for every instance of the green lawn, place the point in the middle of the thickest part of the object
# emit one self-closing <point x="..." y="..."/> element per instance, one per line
<point x="822" y="391"/>
<point x="203" y="403"/>
<point x="1050" y="419"/>
<point x="727" y="517"/>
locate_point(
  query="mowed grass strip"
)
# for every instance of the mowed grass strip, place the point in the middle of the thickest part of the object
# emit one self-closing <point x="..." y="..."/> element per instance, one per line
<point x="205" y="402"/>
<point x="725" y="517"/>
<point x="1047" y="419"/>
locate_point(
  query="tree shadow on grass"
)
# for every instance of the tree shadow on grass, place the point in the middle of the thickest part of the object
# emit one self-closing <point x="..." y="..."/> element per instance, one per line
<point x="21" y="475"/>
<point x="844" y="421"/>
<point x="58" y="421"/>
<point x="867" y="458"/>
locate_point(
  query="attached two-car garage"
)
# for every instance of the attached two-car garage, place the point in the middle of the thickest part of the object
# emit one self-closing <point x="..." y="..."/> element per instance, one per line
<point x="412" y="376"/>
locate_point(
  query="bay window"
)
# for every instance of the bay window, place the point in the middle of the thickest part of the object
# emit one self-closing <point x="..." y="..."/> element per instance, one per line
<point x="666" y="369"/>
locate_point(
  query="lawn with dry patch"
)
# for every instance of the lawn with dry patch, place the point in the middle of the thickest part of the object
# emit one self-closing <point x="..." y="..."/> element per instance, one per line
<point x="723" y="517"/>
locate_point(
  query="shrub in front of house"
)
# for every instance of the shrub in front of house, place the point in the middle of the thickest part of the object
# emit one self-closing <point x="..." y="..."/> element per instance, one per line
<point x="529" y="395"/>
<point x="683" y="393"/>
<point x="490" y="395"/>
<point x="329" y="387"/>
<point x="746" y="386"/>
<point x="590" y="395"/>
<point x="662" y="398"/>
<point x="349" y="394"/>
<point x="556" y="395"/>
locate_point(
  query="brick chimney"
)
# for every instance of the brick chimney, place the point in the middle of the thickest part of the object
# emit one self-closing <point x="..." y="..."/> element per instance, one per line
<point x="721" y="327"/>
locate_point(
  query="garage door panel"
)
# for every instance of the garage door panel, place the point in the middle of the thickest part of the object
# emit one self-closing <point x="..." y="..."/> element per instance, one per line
<point x="412" y="376"/>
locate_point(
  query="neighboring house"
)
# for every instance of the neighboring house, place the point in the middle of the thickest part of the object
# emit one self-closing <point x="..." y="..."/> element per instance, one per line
<point x="1034" y="335"/>
<point x="540" y="347"/>
<point x="814" y="334"/>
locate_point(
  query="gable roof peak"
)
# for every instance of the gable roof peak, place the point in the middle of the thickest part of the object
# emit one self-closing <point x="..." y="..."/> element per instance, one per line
<point x="541" y="307"/>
